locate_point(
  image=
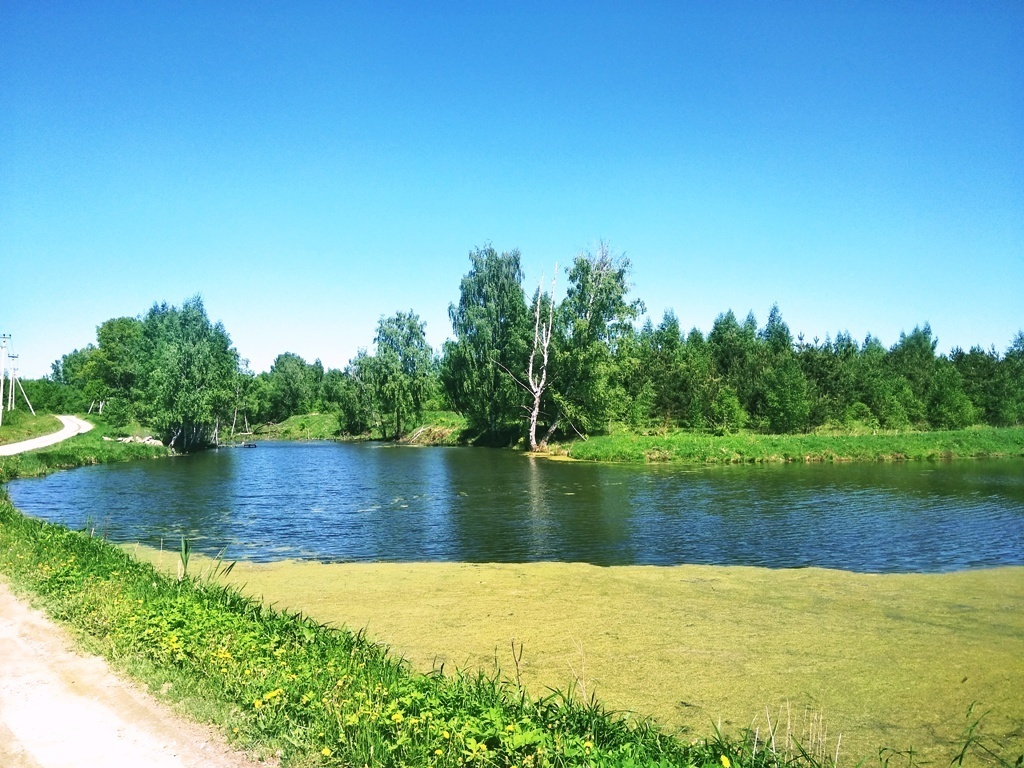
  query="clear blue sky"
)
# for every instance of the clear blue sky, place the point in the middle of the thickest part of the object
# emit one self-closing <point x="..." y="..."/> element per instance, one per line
<point x="308" y="167"/>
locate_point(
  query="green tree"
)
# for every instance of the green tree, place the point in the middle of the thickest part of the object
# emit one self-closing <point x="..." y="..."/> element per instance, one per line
<point x="913" y="359"/>
<point x="594" y="315"/>
<point x="786" y="403"/>
<point x="724" y="413"/>
<point x="948" y="405"/>
<point x="401" y="371"/>
<point x="358" y="412"/>
<point x="1013" y="366"/>
<point x="829" y="368"/>
<point x="666" y="368"/>
<point x="50" y="396"/>
<point x="492" y="326"/>
<point x="77" y="370"/>
<point x="294" y="386"/>
<point x="192" y="373"/>
<point x="118" y="365"/>
<point x="886" y="393"/>
<point x="737" y="358"/>
<point x="246" y="400"/>
<point x="781" y="401"/>
<point x="987" y="383"/>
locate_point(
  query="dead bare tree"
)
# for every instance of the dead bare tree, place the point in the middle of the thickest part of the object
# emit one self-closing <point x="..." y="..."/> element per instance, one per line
<point x="537" y="381"/>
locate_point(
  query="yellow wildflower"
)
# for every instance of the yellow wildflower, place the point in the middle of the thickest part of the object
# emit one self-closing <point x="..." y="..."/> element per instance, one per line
<point x="326" y="752"/>
<point x="726" y="762"/>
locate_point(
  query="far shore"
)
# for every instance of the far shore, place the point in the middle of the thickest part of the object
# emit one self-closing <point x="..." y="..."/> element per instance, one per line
<point x="701" y="448"/>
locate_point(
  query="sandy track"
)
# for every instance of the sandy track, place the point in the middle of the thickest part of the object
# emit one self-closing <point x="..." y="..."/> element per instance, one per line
<point x="72" y="426"/>
<point x="60" y="709"/>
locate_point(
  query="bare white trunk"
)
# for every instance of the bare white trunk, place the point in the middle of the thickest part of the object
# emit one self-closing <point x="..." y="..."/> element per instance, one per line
<point x="538" y="383"/>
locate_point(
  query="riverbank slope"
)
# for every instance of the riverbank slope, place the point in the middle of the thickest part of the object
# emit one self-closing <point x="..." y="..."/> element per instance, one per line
<point x="682" y="447"/>
<point x="885" y="660"/>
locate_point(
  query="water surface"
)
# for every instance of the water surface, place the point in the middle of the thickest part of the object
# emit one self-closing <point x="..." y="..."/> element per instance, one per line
<point x="372" y="502"/>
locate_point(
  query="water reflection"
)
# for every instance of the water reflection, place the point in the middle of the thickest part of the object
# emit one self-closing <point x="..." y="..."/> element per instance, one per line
<point x="375" y="502"/>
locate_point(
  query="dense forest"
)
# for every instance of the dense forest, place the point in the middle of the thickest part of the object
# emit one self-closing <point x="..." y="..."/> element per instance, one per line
<point x="527" y="366"/>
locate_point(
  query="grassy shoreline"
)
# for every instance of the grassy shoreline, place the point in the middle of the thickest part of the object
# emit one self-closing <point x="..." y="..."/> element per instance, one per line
<point x="742" y="448"/>
<point x="696" y="645"/>
<point x="442" y="428"/>
<point x="79" y="451"/>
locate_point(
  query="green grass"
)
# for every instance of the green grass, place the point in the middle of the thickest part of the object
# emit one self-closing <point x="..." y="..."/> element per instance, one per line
<point x="701" y="448"/>
<point x="434" y="428"/>
<point x="78" y="451"/>
<point x="438" y="428"/>
<point x="309" y="426"/>
<point x="21" y="425"/>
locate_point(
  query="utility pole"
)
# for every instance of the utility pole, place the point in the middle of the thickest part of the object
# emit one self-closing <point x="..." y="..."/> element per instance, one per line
<point x="4" y="338"/>
<point x="17" y="380"/>
<point x="13" y="375"/>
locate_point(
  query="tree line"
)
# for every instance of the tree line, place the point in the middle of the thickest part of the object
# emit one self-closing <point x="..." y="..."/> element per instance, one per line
<point x="531" y="366"/>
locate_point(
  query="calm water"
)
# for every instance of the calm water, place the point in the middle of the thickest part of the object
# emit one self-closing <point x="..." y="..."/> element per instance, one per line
<point x="341" y="502"/>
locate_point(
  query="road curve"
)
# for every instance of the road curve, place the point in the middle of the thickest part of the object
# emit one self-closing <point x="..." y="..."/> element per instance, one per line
<point x="72" y="426"/>
<point x="62" y="709"/>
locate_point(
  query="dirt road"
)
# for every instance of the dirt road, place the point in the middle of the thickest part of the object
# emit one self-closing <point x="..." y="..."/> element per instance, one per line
<point x="60" y="709"/>
<point x="72" y="426"/>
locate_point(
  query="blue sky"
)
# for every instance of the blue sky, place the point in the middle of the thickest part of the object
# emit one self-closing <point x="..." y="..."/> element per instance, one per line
<point x="308" y="167"/>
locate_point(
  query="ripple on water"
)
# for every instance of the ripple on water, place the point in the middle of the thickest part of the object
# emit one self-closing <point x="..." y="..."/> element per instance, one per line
<point x="341" y="502"/>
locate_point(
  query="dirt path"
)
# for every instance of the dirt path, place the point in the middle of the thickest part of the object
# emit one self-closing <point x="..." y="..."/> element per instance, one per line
<point x="60" y="709"/>
<point x="72" y="426"/>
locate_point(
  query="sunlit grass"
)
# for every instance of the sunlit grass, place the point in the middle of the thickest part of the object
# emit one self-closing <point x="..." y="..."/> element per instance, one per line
<point x="308" y="426"/>
<point x="432" y="428"/>
<point x="80" y="450"/>
<point x="747" y="447"/>
<point x="21" y="425"/>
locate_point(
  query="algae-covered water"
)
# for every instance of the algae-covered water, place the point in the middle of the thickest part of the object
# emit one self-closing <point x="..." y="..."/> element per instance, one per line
<point x="370" y="502"/>
<point x="880" y="660"/>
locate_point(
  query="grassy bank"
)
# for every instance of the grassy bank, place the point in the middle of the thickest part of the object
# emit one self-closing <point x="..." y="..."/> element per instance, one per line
<point x="435" y="428"/>
<point x="439" y="428"/>
<point x="684" y="447"/>
<point x="283" y="683"/>
<point x="698" y="448"/>
<point x="309" y="426"/>
<point x="892" y="659"/>
<point x="21" y="425"/>
<point x="79" y="451"/>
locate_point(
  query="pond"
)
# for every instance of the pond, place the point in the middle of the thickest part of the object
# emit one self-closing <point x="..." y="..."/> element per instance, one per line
<point x="374" y="502"/>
